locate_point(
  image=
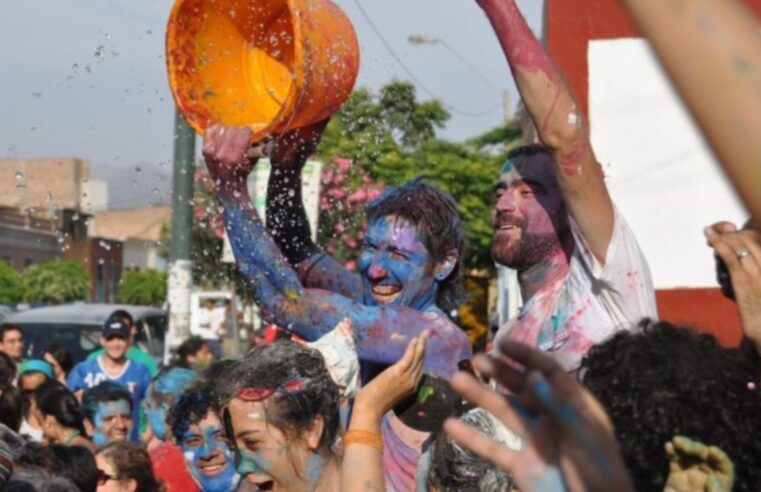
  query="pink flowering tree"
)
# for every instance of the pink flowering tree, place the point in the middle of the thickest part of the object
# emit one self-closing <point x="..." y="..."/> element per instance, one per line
<point x="345" y="189"/>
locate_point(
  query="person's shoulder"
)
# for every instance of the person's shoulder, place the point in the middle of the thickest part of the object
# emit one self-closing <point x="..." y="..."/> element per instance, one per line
<point x="95" y="353"/>
<point x="87" y="365"/>
<point x="140" y="369"/>
<point x="442" y="325"/>
<point x="140" y="355"/>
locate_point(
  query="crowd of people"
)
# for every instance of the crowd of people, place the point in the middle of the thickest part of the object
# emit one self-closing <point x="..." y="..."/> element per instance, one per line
<point x="375" y="388"/>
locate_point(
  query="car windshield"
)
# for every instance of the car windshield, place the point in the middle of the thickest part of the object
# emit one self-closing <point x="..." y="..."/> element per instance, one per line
<point x="79" y="340"/>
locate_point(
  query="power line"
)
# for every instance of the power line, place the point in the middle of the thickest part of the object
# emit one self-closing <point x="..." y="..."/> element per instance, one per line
<point x="409" y="72"/>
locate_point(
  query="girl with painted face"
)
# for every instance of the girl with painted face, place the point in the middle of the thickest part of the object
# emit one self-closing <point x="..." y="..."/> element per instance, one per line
<point x="199" y="433"/>
<point x="280" y="409"/>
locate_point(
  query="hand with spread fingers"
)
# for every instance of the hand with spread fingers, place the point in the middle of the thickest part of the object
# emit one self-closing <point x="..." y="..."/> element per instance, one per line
<point x="362" y="467"/>
<point x="567" y="439"/>
<point x="740" y="251"/>
<point x="695" y="467"/>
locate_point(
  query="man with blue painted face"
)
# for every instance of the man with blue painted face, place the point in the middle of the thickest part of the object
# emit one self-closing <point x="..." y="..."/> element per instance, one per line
<point x="108" y="413"/>
<point x="408" y="269"/>
<point x="200" y="434"/>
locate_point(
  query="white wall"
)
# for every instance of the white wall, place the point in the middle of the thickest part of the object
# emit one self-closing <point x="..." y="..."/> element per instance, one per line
<point x="660" y="172"/>
<point x="143" y="255"/>
<point x="94" y="197"/>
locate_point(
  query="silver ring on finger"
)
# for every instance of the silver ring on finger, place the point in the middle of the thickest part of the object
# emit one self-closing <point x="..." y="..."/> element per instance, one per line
<point x="743" y="253"/>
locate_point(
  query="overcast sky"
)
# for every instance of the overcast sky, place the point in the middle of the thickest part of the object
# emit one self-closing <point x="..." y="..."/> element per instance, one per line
<point x="87" y="78"/>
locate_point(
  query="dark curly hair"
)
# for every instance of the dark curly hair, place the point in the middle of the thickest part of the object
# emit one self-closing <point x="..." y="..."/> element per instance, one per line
<point x="189" y="347"/>
<point x="190" y="407"/>
<point x="434" y="214"/>
<point x="104" y="392"/>
<point x="269" y="366"/>
<point x="661" y="380"/>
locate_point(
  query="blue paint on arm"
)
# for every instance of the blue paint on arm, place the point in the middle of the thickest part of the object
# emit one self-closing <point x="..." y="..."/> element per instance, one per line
<point x="382" y="333"/>
<point x="569" y="419"/>
<point x="322" y="271"/>
<point x="256" y="253"/>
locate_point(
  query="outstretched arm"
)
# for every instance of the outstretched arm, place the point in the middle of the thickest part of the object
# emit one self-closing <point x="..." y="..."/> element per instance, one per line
<point x="559" y="123"/>
<point x="287" y="220"/>
<point x="712" y="52"/>
<point x="382" y="334"/>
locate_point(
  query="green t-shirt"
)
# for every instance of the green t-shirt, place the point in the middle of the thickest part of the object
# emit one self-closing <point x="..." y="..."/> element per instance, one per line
<point x="137" y="355"/>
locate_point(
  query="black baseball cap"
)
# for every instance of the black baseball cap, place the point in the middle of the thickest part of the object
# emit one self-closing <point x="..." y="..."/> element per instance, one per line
<point x="116" y="326"/>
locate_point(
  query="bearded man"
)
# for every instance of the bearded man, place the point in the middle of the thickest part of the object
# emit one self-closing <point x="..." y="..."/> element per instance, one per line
<point x="581" y="273"/>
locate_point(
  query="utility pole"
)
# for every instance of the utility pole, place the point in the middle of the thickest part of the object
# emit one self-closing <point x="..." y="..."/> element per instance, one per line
<point x="180" y="279"/>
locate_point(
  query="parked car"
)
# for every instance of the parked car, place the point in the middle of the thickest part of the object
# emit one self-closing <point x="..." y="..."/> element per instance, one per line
<point x="77" y="327"/>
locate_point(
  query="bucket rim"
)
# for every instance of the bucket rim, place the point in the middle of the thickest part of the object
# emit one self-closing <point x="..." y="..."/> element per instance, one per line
<point x="188" y="110"/>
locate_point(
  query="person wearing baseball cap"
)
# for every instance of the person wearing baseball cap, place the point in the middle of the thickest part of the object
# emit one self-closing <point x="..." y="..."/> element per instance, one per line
<point x="113" y="365"/>
<point x="134" y="352"/>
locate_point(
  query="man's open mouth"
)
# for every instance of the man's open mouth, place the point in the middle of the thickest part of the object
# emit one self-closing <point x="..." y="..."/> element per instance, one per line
<point x="383" y="294"/>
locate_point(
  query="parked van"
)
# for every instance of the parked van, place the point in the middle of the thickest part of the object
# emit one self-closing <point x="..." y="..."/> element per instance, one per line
<point x="77" y="328"/>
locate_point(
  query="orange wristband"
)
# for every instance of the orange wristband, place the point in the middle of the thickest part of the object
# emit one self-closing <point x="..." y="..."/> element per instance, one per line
<point x="355" y="436"/>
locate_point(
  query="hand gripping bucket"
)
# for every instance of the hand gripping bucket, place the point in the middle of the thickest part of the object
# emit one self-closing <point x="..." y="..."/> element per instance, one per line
<point x="271" y="65"/>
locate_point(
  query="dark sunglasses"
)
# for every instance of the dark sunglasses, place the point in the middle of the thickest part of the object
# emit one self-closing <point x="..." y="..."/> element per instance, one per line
<point x="104" y="477"/>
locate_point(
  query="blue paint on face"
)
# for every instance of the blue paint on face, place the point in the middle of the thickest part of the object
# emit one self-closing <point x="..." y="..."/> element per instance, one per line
<point x="174" y="381"/>
<point x="163" y="391"/>
<point x="209" y="450"/>
<point x="111" y="419"/>
<point x="157" y="420"/>
<point x="314" y="469"/>
<point x="251" y="462"/>
<point x="396" y="267"/>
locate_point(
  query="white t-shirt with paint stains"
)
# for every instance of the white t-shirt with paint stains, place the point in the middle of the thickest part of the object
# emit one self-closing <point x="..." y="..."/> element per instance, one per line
<point x="591" y="303"/>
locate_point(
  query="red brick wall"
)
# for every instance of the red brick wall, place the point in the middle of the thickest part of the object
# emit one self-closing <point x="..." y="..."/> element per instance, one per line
<point x="570" y="24"/>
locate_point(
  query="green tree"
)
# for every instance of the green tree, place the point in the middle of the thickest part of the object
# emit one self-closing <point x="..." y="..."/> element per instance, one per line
<point x="143" y="288"/>
<point x="391" y="138"/>
<point x="11" y="284"/>
<point x="56" y="281"/>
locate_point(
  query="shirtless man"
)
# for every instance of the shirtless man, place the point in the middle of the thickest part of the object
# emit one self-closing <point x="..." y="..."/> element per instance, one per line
<point x="407" y="271"/>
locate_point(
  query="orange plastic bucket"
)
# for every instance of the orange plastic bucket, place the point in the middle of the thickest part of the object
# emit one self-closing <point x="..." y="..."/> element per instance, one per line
<point x="270" y="65"/>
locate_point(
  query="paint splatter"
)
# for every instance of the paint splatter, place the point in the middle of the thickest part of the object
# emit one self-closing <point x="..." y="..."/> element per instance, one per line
<point x="425" y="393"/>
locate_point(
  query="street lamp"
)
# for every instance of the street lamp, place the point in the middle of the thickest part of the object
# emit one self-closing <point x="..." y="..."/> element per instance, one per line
<point x="422" y="39"/>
